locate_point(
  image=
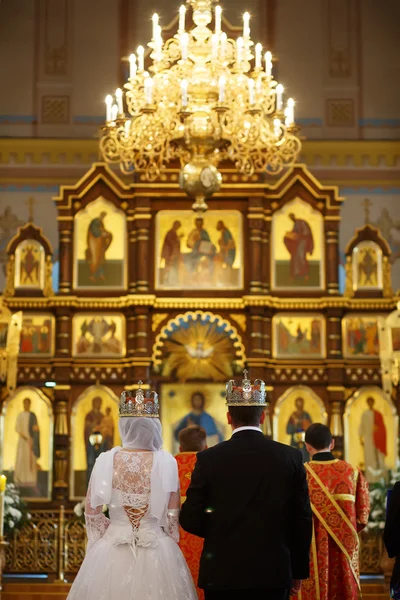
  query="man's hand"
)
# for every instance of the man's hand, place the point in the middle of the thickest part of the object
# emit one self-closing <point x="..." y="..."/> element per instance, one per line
<point x="296" y="585"/>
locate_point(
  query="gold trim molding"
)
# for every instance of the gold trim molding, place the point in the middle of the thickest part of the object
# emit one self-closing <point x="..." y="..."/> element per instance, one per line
<point x="315" y="153"/>
<point x="239" y="303"/>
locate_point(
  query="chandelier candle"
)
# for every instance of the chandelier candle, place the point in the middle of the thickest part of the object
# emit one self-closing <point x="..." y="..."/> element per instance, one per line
<point x="218" y="19"/>
<point x="203" y="98"/>
<point x="246" y="26"/>
<point x="182" y="16"/>
<point x="140" y="53"/>
<point x="132" y="66"/>
<point x="109" y="102"/>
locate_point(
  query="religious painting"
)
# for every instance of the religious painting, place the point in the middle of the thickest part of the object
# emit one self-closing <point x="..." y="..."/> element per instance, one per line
<point x="297" y="247"/>
<point x="98" y="335"/>
<point x="199" y="252"/>
<point x="185" y="404"/>
<point x="360" y="336"/>
<point x="199" y="345"/>
<point x="100" y="247"/>
<point x="370" y="428"/>
<point x="27" y="433"/>
<point x="30" y="265"/>
<point x="298" y="335"/>
<point x="37" y="335"/>
<point x="367" y="267"/>
<point x="294" y="412"/>
<point x="94" y="430"/>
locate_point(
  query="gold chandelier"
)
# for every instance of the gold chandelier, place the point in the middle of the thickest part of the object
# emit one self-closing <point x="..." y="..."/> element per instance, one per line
<point x="205" y="99"/>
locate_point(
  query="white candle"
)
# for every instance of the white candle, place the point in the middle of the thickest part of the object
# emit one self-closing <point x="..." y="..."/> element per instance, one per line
<point x="218" y="19"/>
<point x="184" y="45"/>
<point x="215" y="43"/>
<point x="109" y="101"/>
<point x="239" y="51"/>
<point x="222" y="82"/>
<point x="127" y="128"/>
<point x="182" y="15"/>
<point x="132" y="66"/>
<point x="114" y="112"/>
<point x="118" y="96"/>
<point x="258" y="56"/>
<point x="224" y="39"/>
<point x="289" y="112"/>
<point x="246" y="25"/>
<point x="277" y="128"/>
<point x="148" y="90"/>
<point x="154" y="18"/>
<point x="279" y="96"/>
<point x="268" y="63"/>
<point x="184" y="91"/>
<point x="158" y="43"/>
<point x="140" y="53"/>
<point x="252" y="97"/>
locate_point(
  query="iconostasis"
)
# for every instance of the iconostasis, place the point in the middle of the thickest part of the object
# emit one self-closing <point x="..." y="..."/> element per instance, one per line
<point x="151" y="291"/>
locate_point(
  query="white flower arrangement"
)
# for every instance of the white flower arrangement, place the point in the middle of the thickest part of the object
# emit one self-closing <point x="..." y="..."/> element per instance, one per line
<point x="79" y="510"/>
<point x="15" y="509"/>
<point x="378" y="497"/>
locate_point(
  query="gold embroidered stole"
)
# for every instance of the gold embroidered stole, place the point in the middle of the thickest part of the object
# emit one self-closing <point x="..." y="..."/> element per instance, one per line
<point x="326" y="509"/>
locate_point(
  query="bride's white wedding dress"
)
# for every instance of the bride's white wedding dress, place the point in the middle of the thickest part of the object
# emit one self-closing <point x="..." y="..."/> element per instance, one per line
<point x="134" y="555"/>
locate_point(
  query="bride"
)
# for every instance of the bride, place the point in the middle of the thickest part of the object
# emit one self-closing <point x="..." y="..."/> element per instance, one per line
<point x="134" y="555"/>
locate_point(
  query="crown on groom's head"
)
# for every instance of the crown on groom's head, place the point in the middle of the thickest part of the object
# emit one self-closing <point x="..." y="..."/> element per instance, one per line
<point x="139" y="403"/>
<point x="246" y="393"/>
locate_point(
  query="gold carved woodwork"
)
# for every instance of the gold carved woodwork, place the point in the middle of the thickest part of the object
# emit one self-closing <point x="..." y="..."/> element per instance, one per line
<point x="157" y="319"/>
<point x="48" y="283"/>
<point x="349" y="292"/>
<point x="61" y="468"/>
<point x="240" y="319"/>
<point x="10" y="287"/>
<point x="61" y="418"/>
<point x="387" y="278"/>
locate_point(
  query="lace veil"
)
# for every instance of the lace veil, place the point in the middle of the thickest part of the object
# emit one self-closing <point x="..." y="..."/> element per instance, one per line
<point x="138" y="433"/>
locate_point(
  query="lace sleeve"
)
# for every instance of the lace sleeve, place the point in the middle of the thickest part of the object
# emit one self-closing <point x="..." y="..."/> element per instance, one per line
<point x="96" y="522"/>
<point x="172" y="525"/>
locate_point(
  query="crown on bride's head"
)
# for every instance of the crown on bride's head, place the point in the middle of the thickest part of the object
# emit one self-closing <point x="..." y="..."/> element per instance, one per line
<point x="139" y="403"/>
<point x="245" y="393"/>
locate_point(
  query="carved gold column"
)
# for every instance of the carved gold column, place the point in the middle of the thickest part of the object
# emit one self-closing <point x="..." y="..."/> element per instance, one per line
<point x="63" y="332"/>
<point x="142" y="331"/>
<point x="66" y="254"/>
<point x="257" y="245"/>
<point x="131" y="333"/>
<point x="256" y="332"/>
<point x="266" y="264"/>
<point x="61" y="441"/>
<point x="332" y="257"/>
<point x="132" y="260"/>
<point x="334" y="333"/>
<point x="336" y="396"/>
<point x="142" y="222"/>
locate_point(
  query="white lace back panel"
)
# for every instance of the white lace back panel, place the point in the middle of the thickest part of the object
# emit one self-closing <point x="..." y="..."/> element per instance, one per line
<point x="132" y="484"/>
<point x="131" y="487"/>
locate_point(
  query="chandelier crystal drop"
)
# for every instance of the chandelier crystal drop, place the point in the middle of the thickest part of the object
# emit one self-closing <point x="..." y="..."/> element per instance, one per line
<point x="205" y="99"/>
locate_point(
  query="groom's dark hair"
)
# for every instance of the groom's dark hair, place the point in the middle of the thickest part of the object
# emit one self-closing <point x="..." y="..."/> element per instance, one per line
<point x="318" y="436"/>
<point x="246" y="416"/>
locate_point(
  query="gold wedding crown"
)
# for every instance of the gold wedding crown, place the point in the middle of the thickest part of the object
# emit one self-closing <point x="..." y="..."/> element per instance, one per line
<point x="139" y="403"/>
<point x="246" y="393"/>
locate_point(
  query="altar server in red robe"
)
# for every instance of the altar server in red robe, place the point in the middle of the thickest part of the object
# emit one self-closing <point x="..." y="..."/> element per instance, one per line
<point x="192" y="439"/>
<point x="340" y="504"/>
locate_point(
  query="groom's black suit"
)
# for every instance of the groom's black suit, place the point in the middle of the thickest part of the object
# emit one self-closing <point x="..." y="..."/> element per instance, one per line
<point x="248" y="499"/>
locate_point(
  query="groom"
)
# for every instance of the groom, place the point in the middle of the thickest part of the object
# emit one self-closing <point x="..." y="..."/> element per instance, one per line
<point x="248" y="499"/>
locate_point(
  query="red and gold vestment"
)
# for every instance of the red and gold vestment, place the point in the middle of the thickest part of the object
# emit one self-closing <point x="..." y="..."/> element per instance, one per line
<point x="191" y="545"/>
<point x="340" y="504"/>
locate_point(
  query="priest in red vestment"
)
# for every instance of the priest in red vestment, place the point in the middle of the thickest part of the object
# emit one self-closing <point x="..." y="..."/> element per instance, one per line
<point x="340" y="504"/>
<point x="192" y="439"/>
